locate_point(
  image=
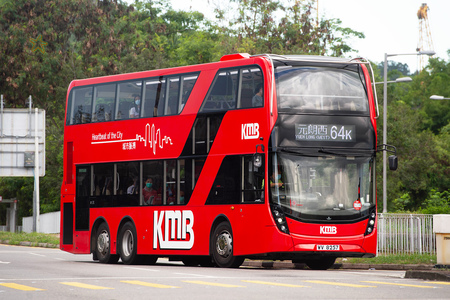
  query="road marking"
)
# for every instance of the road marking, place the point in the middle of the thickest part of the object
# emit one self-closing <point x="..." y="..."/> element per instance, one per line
<point x="20" y="287"/>
<point x="41" y="255"/>
<point x="273" y="283"/>
<point x="213" y="283"/>
<point x="401" y="284"/>
<point x="438" y="282"/>
<point x="86" y="286"/>
<point x="338" y="283"/>
<point x="4" y="262"/>
<point x="155" y="285"/>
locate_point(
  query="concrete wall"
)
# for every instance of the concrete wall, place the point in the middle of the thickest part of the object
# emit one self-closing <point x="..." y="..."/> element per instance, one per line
<point x="49" y="223"/>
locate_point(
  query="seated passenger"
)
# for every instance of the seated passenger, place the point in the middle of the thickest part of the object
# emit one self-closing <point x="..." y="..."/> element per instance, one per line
<point x="148" y="192"/>
<point x="135" y="110"/>
<point x="257" y="100"/>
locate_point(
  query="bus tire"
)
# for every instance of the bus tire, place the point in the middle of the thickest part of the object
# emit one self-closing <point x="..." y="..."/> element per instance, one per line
<point x="323" y="263"/>
<point x="128" y="244"/>
<point x="103" y="246"/>
<point x="222" y="247"/>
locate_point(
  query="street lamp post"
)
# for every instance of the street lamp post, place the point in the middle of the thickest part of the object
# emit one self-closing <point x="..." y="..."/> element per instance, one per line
<point x="426" y="52"/>
<point x="436" y="97"/>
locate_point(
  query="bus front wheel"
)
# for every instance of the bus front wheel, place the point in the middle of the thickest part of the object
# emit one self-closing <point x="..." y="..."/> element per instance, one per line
<point x="103" y="246"/>
<point x="222" y="247"/>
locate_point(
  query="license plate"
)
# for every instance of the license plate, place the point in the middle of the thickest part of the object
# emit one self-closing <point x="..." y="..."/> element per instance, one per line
<point x="327" y="247"/>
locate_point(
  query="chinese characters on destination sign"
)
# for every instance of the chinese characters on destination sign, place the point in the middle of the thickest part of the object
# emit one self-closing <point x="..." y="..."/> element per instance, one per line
<point x="328" y="132"/>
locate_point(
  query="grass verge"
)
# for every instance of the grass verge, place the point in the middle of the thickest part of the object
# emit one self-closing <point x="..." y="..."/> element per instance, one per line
<point x="50" y="240"/>
<point x="399" y="259"/>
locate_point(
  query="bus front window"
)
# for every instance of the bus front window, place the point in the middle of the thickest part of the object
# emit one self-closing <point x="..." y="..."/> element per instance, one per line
<point x="317" y="188"/>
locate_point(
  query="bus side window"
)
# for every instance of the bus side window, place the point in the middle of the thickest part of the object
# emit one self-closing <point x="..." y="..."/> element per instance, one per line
<point x="79" y="109"/>
<point x="129" y="104"/>
<point x="127" y="184"/>
<point x="104" y="98"/>
<point x="153" y="174"/>
<point x="226" y="187"/>
<point x="173" y="96"/>
<point x="103" y="185"/>
<point x="252" y="88"/>
<point x="253" y="185"/>
<point x="223" y="93"/>
<point x="154" y="97"/>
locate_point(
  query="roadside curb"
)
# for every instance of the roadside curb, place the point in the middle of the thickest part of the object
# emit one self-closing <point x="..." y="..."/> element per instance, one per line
<point x="290" y="265"/>
<point x="430" y="275"/>
<point x="417" y="271"/>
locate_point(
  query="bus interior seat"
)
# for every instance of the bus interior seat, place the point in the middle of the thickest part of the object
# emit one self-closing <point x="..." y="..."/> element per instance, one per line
<point x="246" y="98"/>
<point x="124" y="110"/>
<point x="102" y="112"/>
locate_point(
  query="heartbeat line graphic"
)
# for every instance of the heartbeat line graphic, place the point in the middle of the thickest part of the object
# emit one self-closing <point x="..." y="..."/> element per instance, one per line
<point x="152" y="138"/>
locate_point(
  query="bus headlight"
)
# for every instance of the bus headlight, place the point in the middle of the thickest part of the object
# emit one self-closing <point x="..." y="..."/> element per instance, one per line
<point x="371" y="222"/>
<point x="280" y="219"/>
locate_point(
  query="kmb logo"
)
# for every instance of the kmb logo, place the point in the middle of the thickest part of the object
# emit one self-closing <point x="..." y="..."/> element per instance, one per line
<point x="177" y="221"/>
<point x="328" y="230"/>
<point x="250" y="131"/>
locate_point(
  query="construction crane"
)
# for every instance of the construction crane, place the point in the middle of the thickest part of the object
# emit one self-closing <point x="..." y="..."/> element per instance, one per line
<point x="425" y="40"/>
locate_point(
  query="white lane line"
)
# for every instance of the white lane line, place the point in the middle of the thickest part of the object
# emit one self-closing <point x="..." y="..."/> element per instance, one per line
<point x="36" y="254"/>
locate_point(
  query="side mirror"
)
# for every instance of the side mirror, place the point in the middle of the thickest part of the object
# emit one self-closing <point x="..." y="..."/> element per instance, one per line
<point x="257" y="160"/>
<point x="393" y="162"/>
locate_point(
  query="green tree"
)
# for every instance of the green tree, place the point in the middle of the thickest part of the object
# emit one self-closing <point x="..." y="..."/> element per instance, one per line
<point x="259" y="30"/>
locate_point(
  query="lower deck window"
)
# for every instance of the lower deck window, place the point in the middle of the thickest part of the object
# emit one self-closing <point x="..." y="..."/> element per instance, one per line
<point x="163" y="182"/>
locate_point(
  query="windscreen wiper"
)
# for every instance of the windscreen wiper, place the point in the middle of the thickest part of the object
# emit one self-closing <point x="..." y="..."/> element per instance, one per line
<point x="353" y="152"/>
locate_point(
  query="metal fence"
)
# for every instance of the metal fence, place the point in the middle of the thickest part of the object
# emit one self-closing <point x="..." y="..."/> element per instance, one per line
<point x="406" y="233"/>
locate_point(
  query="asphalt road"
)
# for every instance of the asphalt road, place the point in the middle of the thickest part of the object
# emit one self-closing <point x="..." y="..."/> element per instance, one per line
<point x="41" y="273"/>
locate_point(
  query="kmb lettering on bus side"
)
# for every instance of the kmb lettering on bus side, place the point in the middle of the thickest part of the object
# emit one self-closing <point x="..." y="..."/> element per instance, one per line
<point x="328" y="230"/>
<point x="250" y="131"/>
<point x="180" y="224"/>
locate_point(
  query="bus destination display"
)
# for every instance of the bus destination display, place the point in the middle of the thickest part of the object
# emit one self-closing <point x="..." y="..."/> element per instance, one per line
<point x="325" y="132"/>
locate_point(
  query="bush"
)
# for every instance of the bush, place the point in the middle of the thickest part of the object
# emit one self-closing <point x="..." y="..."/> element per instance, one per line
<point x="437" y="203"/>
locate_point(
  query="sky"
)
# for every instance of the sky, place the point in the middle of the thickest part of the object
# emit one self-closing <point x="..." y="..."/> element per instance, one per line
<point x="390" y="26"/>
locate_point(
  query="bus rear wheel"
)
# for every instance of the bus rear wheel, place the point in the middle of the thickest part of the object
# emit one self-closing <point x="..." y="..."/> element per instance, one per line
<point x="323" y="263"/>
<point x="222" y="247"/>
<point x="128" y="244"/>
<point x="103" y="246"/>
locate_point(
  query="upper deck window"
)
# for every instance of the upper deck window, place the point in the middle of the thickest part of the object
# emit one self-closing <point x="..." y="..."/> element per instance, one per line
<point x="235" y="88"/>
<point x="141" y="98"/>
<point x="321" y="90"/>
<point x="129" y="102"/>
<point x="79" y="109"/>
<point x="104" y="98"/>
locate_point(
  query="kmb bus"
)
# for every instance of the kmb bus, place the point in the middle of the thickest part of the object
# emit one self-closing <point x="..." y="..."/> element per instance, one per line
<point x="259" y="157"/>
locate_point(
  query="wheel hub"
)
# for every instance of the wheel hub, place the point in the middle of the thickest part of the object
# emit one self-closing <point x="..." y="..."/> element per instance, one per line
<point x="103" y="242"/>
<point x="224" y="244"/>
<point x="127" y="243"/>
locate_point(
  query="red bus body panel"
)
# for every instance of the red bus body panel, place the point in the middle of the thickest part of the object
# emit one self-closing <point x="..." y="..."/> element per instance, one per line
<point x="254" y="229"/>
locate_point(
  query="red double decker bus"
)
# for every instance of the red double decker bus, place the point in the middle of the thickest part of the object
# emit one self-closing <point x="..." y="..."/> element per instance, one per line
<point x="263" y="157"/>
